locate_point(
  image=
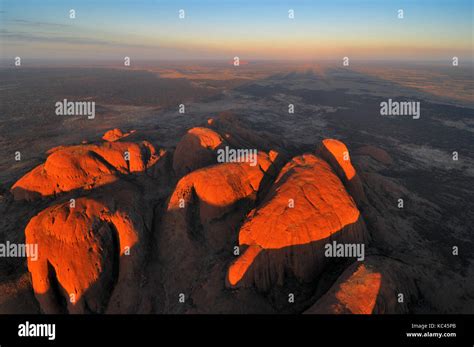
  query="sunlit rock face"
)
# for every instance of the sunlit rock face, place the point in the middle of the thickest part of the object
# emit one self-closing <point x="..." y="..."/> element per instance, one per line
<point x="115" y="135"/>
<point x="90" y="253"/>
<point x="337" y="155"/>
<point x="306" y="208"/>
<point x="216" y="189"/>
<point x="84" y="167"/>
<point x="195" y="150"/>
<point x="376" y="286"/>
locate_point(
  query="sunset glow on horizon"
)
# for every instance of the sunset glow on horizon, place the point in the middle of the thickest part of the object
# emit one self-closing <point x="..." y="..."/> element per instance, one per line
<point x="371" y="30"/>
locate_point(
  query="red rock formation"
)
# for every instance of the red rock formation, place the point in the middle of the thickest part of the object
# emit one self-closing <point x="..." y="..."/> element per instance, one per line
<point x="283" y="239"/>
<point x="337" y="155"/>
<point x="355" y="294"/>
<point x="82" y="242"/>
<point x="88" y="253"/>
<point x="195" y="150"/>
<point x="84" y="167"/>
<point x="376" y="153"/>
<point x="214" y="191"/>
<point x="115" y="135"/>
<point x="370" y="287"/>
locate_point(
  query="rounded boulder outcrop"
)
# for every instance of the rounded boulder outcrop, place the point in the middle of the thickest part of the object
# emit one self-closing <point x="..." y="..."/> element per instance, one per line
<point x="306" y="208"/>
<point x="115" y="135"/>
<point x="90" y="254"/>
<point x="84" y="167"/>
<point x="195" y="150"/>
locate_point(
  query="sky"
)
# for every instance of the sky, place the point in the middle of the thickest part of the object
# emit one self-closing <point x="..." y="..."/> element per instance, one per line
<point x="251" y="30"/>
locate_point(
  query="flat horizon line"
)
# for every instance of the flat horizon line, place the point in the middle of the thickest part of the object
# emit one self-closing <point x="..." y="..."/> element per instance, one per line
<point x="8" y="62"/>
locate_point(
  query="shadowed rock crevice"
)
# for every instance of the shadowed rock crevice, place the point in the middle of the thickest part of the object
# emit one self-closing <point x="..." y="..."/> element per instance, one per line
<point x="58" y="294"/>
<point x="115" y="258"/>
